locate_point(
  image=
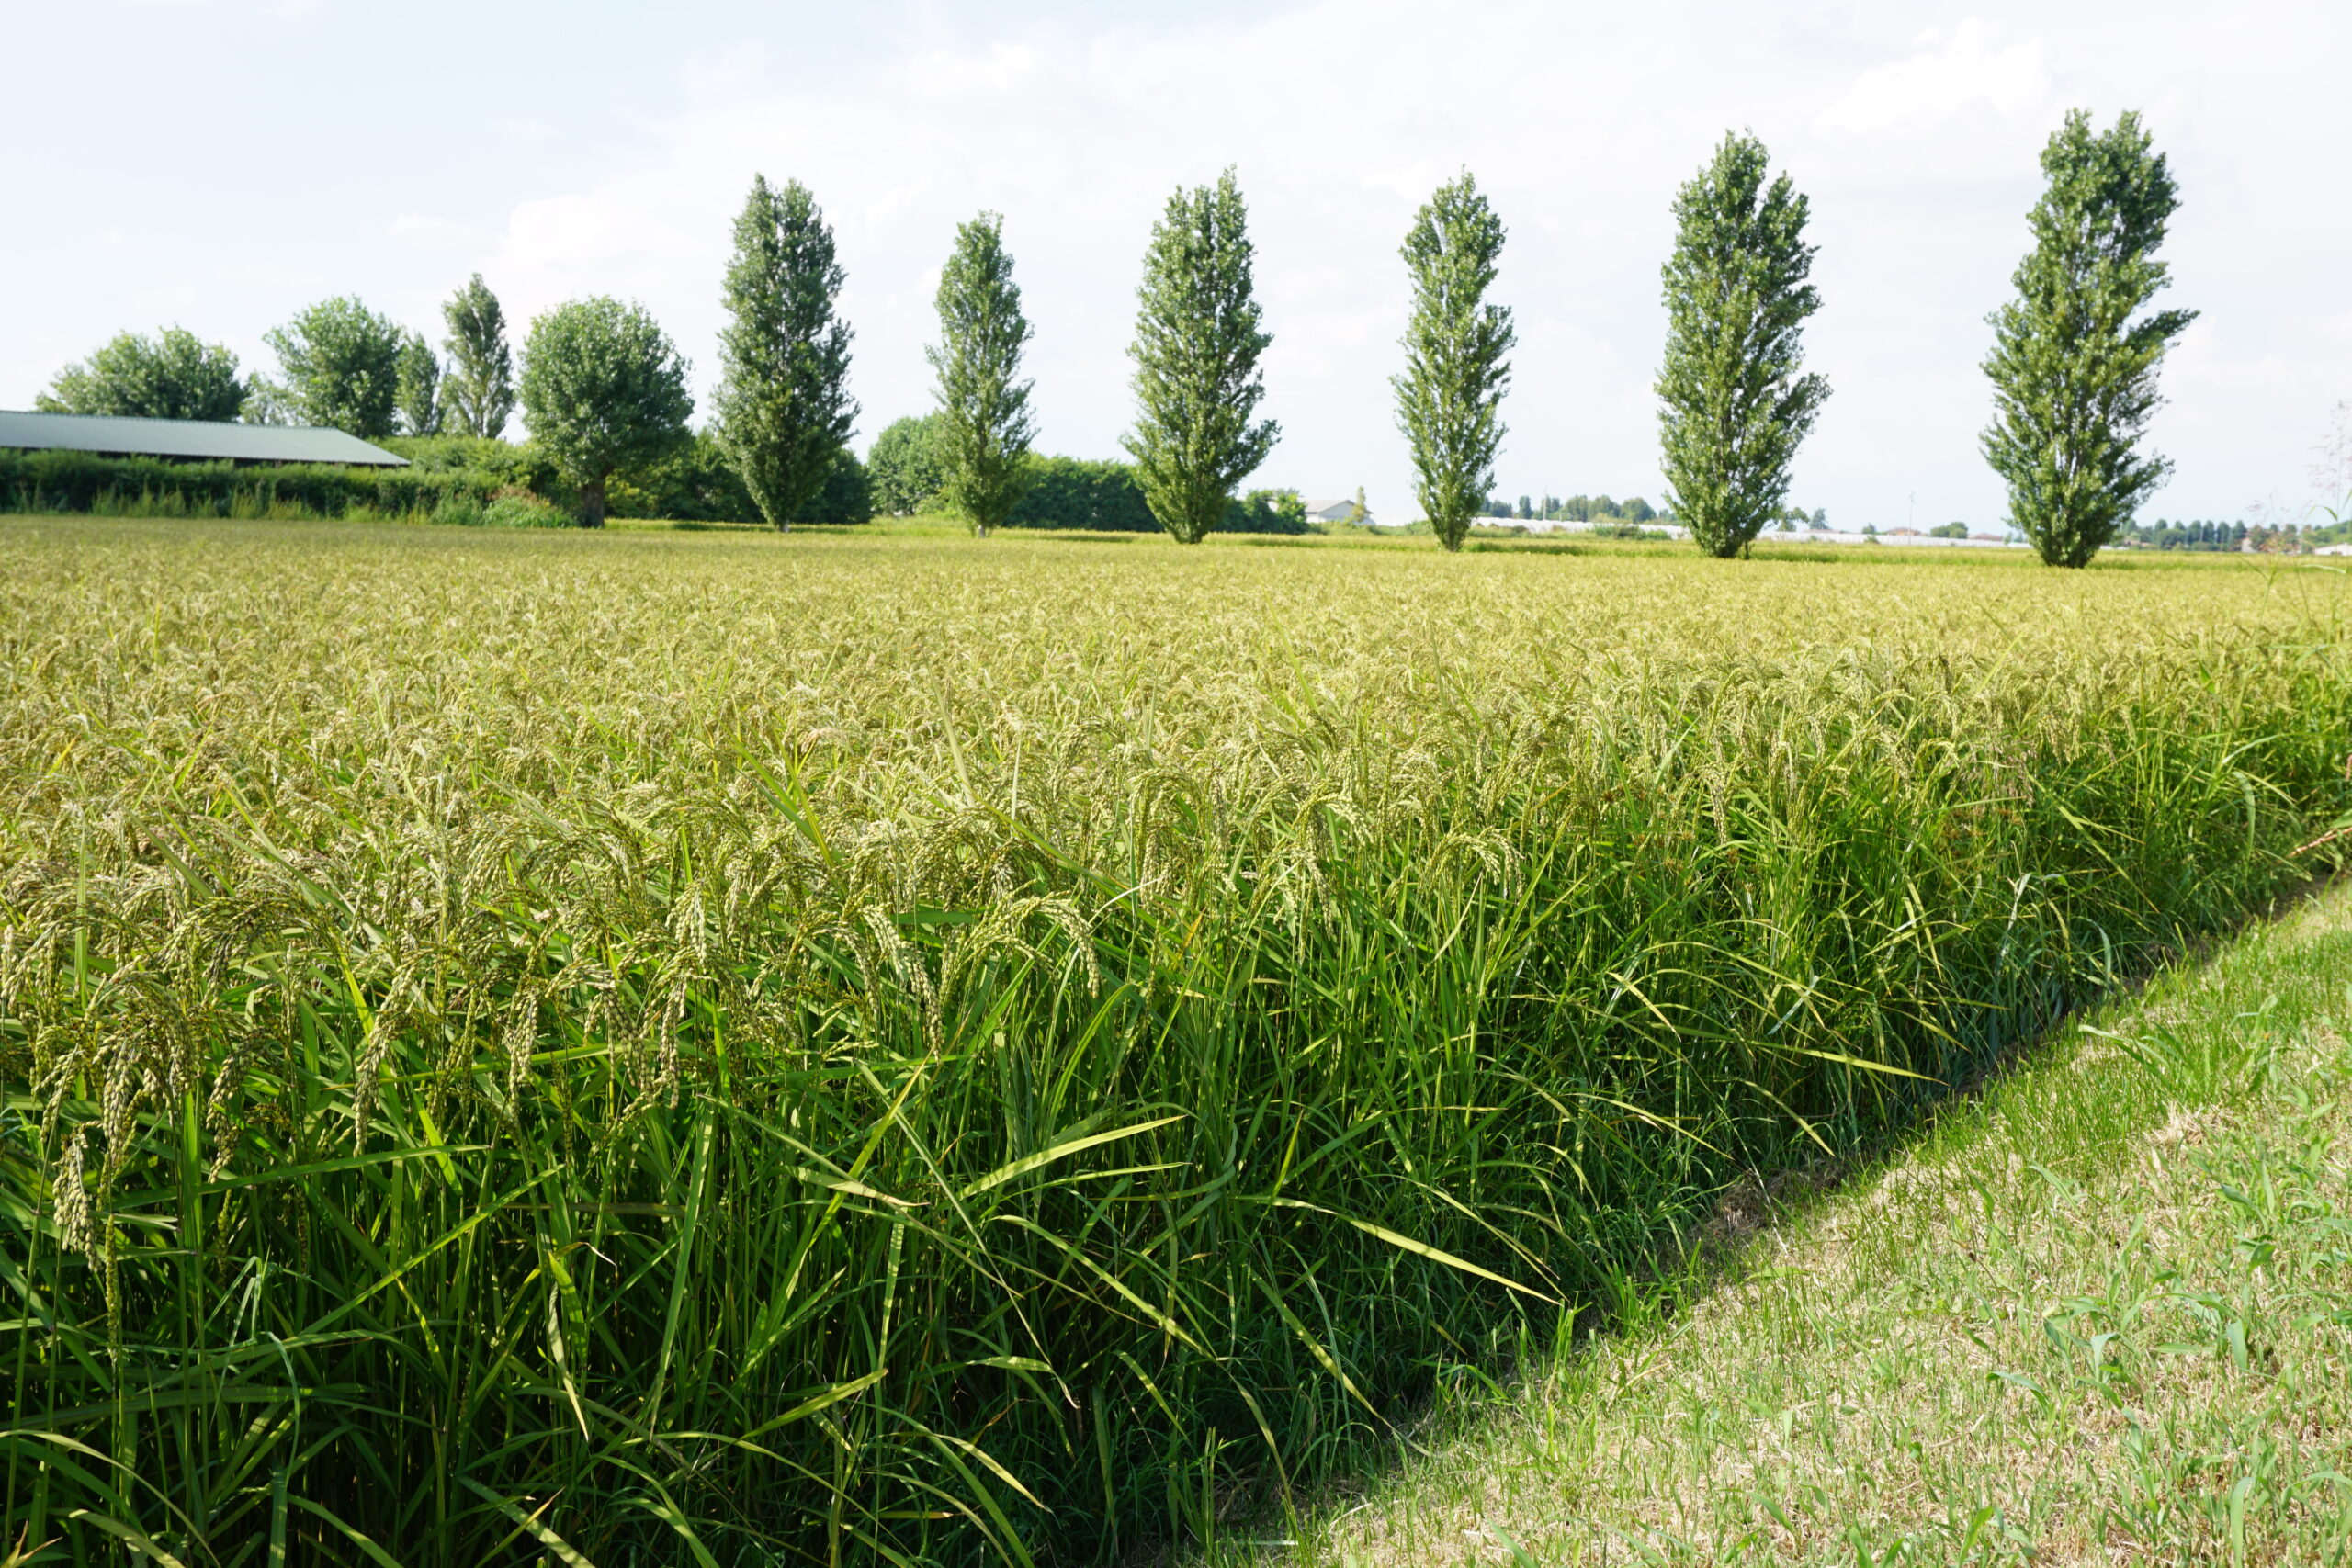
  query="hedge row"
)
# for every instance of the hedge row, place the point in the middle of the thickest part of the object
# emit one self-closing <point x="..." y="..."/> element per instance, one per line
<point x="446" y="473"/>
<point x="84" y="482"/>
<point x="453" y="476"/>
<point x="1074" y="493"/>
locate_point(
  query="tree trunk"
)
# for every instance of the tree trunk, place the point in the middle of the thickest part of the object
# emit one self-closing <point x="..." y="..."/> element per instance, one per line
<point x="591" y="503"/>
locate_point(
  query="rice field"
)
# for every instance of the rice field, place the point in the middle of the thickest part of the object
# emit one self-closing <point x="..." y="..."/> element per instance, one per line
<point x="646" y="1049"/>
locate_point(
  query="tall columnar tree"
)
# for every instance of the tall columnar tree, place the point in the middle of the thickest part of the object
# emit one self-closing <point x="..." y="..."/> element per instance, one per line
<point x="783" y="404"/>
<point x="604" y="392"/>
<point x="420" y="387"/>
<point x="2073" y="373"/>
<point x="170" y="375"/>
<point x="477" y="393"/>
<point x="985" y="427"/>
<point x="342" y="366"/>
<point x="1735" y="401"/>
<point x="1449" y="400"/>
<point x="1196" y="348"/>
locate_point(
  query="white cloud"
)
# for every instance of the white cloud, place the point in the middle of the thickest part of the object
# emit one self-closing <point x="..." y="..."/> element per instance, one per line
<point x="1949" y="72"/>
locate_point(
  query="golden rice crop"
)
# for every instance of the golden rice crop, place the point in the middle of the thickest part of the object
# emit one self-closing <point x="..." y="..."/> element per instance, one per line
<point x="739" y="1049"/>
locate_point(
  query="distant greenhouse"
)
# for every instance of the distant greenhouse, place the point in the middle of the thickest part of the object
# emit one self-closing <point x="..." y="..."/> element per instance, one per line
<point x="189" y="440"/>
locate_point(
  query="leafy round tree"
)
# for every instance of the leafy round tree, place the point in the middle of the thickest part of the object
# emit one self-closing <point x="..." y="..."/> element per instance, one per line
<point x="1449" y="400"/>
<point x="1196" y="348"/>
<point x="604" y="392"/>
<point x="904" y="464"/>
<point x="477" y="393"/>
<point x="342" y="366"/>
<point x="1735" y="401"/>
<point x="985" y="427"/>
<point x="169" y="376"/>
<point x="782" y="398"/>
<point x="2073" y="375"/>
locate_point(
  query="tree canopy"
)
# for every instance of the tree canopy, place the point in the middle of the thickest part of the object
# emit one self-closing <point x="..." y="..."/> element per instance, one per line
<point x="783" y="400"/>
<point x="170" y="375"/>
<point x="2073" y="373"/>
<point x="1197" y="344"/>
<point x="905" y="465"/>
<point x="604" y="392"/>
<point x="1735" y="401"/>
<point x="420" y="387"/>
<point x="340" y="366"/>
<point x="478" y="392"/>
<point x="985" y="427"/>
<point x="1449" y="400"/>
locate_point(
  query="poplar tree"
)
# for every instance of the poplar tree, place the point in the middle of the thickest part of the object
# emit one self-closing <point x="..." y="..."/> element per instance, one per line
<point x="984" y="428"/>
<point x="2073" y="375"/>
<point x="1196" y="348"/>
<point x="1735" y="401"/>
<point x="783" y="397"/>
<point x="478" y="392"/>
<point x="1449" y="400"/>
<point x="420" y="387"/>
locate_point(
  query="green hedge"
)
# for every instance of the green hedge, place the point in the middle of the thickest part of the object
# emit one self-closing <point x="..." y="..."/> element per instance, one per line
<point x="84" y="482"/>
<point x="1076" y="492"/>
<point x="446" y="473"/>
<point x="698" y="486"/>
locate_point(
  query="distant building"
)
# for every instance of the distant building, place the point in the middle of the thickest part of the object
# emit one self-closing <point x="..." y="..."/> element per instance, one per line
<point x="189" y="440"/>
<point x="1338" y="510"/>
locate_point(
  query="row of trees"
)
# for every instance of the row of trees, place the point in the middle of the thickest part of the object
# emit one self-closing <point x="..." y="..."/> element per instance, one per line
<point x="2287" y="538"/>
<point x="2074" y="365"/>
<point x="1599" y="508"/>
<point x="341" y="365"/>
<point x="604" y="390"/>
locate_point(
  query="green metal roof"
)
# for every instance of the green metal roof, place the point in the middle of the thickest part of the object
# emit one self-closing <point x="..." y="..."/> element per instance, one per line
<point x="201" y="438"/>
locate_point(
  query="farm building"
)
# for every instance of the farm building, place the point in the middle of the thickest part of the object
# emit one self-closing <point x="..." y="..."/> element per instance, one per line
<point x="1338" y="510"/>
<point x="189" y="440"/>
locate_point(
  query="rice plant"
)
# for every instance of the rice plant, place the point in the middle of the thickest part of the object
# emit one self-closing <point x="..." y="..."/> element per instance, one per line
<point x="687" y="1049"/>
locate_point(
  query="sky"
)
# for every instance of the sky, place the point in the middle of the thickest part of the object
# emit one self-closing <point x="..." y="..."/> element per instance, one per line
<point x="222" y="163"/>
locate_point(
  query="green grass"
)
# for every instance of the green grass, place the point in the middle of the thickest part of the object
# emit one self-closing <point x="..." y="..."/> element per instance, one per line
<point x="2103" y="1313"/>
<point x="722" y="1048"/>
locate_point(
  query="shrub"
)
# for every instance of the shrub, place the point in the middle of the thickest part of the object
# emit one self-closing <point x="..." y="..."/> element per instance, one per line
<point x="460" y="510"/>
<point x="1076" y="492"/>
<point x="905" y="465"/>
<point x="697" y="484"/>
<point x="446" y="471"/>
<point x="521" y="509"/>
<point x="1267" y="512"/>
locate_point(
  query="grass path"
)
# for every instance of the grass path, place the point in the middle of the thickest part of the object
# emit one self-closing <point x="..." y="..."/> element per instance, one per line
<point x="2102" y="1314"/>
